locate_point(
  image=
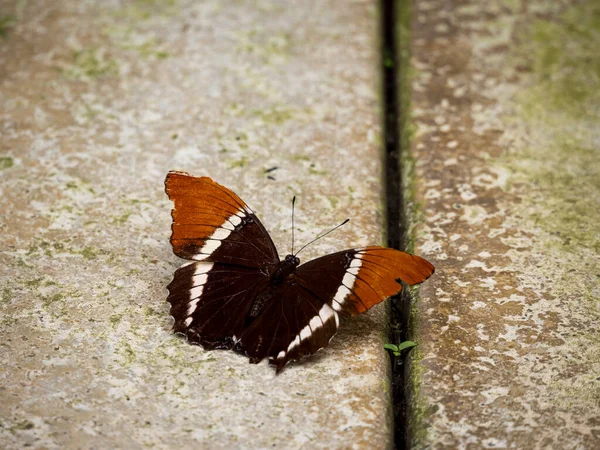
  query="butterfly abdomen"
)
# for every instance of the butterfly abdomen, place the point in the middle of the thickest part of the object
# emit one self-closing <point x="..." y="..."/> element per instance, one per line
<point x="273" y="290"/>
<point x="259" y="303"/>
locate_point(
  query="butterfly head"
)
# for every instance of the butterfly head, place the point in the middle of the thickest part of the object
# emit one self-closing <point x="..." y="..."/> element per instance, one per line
<point x="284" y="269"/>
<point x="292" y="260"/>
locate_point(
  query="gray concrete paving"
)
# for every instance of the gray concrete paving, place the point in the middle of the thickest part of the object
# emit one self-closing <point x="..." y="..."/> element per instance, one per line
<point x="99" y="100"/>
<point x="505" y="102"/>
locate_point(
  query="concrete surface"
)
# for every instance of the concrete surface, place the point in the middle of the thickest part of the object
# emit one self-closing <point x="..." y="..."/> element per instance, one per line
<point x="505" y="110"/>
<point x="99" y="100"/>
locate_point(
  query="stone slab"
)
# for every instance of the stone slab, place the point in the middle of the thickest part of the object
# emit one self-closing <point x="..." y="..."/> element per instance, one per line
<point x="505" y="102"/>
<point x="99" y="100"/>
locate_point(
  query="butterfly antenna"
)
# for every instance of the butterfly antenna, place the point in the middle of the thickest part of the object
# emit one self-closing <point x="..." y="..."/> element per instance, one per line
<point x="293" y="202"/>
<point x="322" y="235"/>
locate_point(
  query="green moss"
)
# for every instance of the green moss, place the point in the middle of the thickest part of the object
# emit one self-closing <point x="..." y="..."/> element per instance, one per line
<point x="301" y="158"/>
<point x="127" y="353"/>
<point x="564" y="97"/>
<point x="271" y="48"/>
<point x="238" y="163"/>
<point x="135" y="201"/>
<point x="48" y="300"/>
<point x="151" y="312"/>
<point x="312" y="169"/>
<point x="6" y="23"/>
<point x="23" y="425"/>
<point x="91" y="253"/>
<point x="115" y="319"/>
<point x="6" y="162"/>
<point x="21" y="263"/>
<point x="90" y="63"/>
<point x="558" y="167"/>
<point x="8" y="320"/>
<point x="565" y="62"/>
<point x="150" y="49"/>
<point x="122" y="218"/>
<point x="276" y="115"/>
<point x="6" y="295"/>
<point x="417" y="406"/>
<point x="34" y="283"/>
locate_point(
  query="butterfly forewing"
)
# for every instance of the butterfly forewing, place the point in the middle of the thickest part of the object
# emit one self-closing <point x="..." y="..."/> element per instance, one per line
<point x="352" y="281"/>
<point x="211" y="223"/>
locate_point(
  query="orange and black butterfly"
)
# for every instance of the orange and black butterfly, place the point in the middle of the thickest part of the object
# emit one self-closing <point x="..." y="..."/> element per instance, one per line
<point x="236" y="293"/>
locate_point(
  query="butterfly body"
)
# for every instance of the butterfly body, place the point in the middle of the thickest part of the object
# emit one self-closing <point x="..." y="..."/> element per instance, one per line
<point x="237" y="294"/>
<point x="285" y="268"/>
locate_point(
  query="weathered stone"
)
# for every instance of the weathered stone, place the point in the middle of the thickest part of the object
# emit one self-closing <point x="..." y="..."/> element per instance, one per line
<point x="99" y="101"/>
<point x="505" y="101"/>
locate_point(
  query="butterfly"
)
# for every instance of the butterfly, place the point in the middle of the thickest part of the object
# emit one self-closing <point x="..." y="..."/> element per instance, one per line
<point x="236" y="293"/>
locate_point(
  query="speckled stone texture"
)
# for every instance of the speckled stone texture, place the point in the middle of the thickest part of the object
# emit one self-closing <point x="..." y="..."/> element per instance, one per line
<point x="99" y="100"/>
<point x="505" y="102"/>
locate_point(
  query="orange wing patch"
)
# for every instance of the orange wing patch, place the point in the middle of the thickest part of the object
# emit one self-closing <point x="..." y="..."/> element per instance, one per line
<point x="376" y="278"/>
<point x="201" y="208"/>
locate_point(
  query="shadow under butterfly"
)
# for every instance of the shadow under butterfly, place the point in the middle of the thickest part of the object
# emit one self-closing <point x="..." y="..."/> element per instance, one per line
<point x="236" y="293"/>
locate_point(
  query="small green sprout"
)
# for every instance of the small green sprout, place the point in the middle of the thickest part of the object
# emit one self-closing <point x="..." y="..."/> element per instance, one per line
<point x="397" y="349"/>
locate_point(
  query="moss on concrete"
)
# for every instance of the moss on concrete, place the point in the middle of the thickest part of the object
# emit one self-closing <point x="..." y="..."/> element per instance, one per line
<point x="275" y="115"/>
<point x="417" y="406"/>
<point x="564" y="97"/>
<point x="151" y="48"/>
<point x="566" y="63"/>
<point x="118" y="334"/>
<point x="6" y="162"/>
<point x="23" y="425"/>
<point x="271" y="49"/>
<point x="238" y="163"/>
<point x="90" y="63"/>
<point x="7" y="21"/>
<point x="146" y="9"/>
<point x="406" y="125"/>
<point x="521" y="90"/>
<point x="562" y="170"/>
<point x="6" y="295"/>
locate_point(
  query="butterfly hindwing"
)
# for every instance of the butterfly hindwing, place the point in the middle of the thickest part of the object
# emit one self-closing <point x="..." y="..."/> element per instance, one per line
<point x="210" y="301"/>
<point x="297" y="323"/>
